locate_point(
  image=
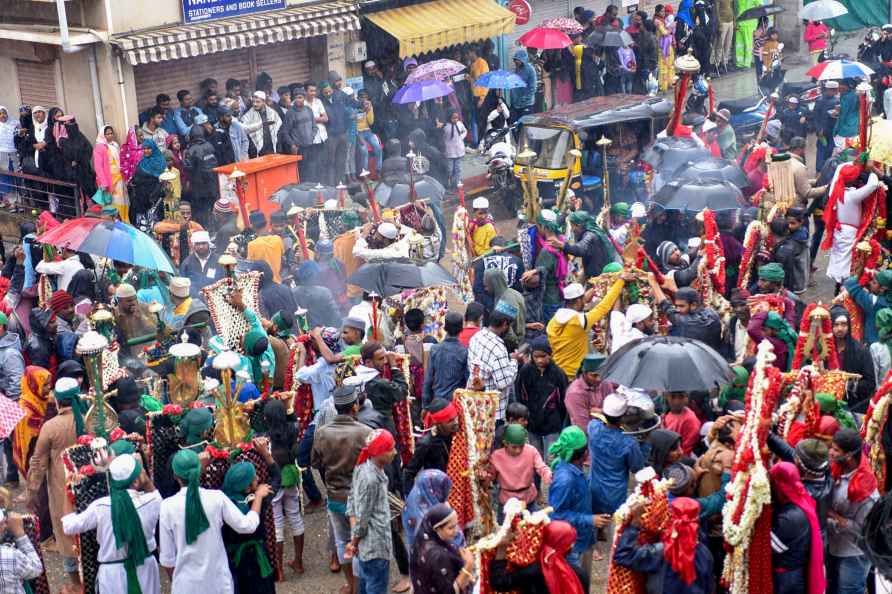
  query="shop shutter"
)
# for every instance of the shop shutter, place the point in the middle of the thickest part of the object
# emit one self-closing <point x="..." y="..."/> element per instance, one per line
<point x="286" y="62"/>
<point x="542" y="10"/>
<point x="173" y="75"/>
<point x="37" y="83"/>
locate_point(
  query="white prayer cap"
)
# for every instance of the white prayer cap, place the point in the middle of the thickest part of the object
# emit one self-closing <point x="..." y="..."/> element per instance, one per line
<point x="331" y="203"/>
<point x="615" y="405"/>
<point x="638" y="312"/>
<point x="573" y="291"/>
<point x="260" y="95"/>
<point x="548" y="215"/>
<point x="831" y="84"/>
<point x="694" y="243"/>
<point x="122" y="467"/>
<point x="638" y="210"/>
<point x="66" y="384"/>
<point x="387" y="230"/>
<point x="793" y="99"/>
<point x="179" y="286"/>
<point x="480" y="203"/>
<point x="125" y="290"/>
<point x="200" y="237"/>
<point x="37" y="108"/>
<point x="348" y="91"/>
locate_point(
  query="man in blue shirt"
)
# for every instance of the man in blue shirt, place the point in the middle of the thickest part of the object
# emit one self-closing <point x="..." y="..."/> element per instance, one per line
<point x="184" y="115"/>
<point x="447" y="368"/>
<point x="871" y="300"/>
<point x="613" y="454"/>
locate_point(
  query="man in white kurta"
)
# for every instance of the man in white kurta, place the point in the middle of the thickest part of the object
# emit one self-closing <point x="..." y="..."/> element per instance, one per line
<point x="112" y="575"/>
<point x="203" y="566"/>
<point x="848" y="216"/>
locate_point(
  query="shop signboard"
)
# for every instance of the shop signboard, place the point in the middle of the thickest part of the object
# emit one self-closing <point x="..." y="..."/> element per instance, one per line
<point x="199" y="11"/>
<point x="522" y="9"/>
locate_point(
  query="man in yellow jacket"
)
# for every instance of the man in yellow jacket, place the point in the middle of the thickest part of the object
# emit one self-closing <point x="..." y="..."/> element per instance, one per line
<point x="568" y="330"/>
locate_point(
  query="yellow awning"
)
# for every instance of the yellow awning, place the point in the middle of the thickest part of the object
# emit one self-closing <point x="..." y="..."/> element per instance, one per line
<point x="434" y="25"/>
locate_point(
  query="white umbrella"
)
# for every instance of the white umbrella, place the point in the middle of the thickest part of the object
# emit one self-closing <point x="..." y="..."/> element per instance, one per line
<point x="822" y="10"/>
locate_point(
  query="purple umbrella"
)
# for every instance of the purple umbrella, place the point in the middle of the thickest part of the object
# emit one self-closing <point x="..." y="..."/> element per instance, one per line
<point x="422" y="91"/>
<point x="435" y="70"/>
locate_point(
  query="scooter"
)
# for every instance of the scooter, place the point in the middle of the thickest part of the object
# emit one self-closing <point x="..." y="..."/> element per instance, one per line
<point x="499" y="148"/>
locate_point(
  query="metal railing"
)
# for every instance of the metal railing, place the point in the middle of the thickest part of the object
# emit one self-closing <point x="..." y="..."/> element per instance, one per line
<point x="26" y="193"/>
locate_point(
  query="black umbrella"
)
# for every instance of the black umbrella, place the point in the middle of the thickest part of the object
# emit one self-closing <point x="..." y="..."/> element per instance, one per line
<point x="392" y="196"/>
<point x="609" y="37"/>
<point x="393" y="277"/>
<point x="714" y="169"/>
<point x="758" y="12"/>
<point x="667" y="364"/>
<point x="304" y="195"/>
<point x="694" y="196"/>
<point x="668" y="154"/>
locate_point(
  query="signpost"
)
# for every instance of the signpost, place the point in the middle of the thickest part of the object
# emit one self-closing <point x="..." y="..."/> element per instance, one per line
<point x="199" y="11"/>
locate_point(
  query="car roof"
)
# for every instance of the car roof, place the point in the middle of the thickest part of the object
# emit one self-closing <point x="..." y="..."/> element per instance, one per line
<point x="599" y="111"/>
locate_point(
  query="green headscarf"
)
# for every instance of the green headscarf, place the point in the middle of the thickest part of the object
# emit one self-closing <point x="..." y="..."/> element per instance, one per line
<point x="150" y="404"/>
<point x="251" y="339"/>
<point x="836" y="408"/>
<point x="621" y="208"/>
<point x="884" y="326"/>
<point x="282" y="327"/>
<point x="237" y="480"/>
<point x="571" y="439"/>
<point x="187" y="467"/>
<point x="612" y="267"/>
<point x="584" y="220"/>
<point x="126" y="523"/>
<point x="736" y="390"/>
<point x="773" y="273"/>
<point x="552" y="226"/>
<point x="71" y="396"/>
<point x="195" y="424"/>
<point x="350" y="219"/>
<point x="515" y="434"/>
<point x="884" y="279"/>
<point x="784" y="331"/>
<point x="122" y="446"/>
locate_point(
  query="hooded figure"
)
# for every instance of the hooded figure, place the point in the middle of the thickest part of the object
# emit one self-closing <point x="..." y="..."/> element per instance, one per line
<point x="146" y="185"/>
<point x="40" y="349"/>
<point x="663" y="443"/>
<point x="77" y="153"/>
<point x="199" y="161"/>
<point x="496" y="284"/>
<point x="589" y="243"/>
<point x="522" y="98"/>
<point x="274" y="297"/>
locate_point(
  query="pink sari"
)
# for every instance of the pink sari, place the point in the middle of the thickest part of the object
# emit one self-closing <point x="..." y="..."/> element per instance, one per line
<point x="131" y="155"/>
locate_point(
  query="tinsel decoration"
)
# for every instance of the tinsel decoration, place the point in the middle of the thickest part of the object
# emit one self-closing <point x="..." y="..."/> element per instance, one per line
<point x="711" y="269"/>
<point x="800" y="401"/>
<point x="752" y="243"/>
<point x="303" y="393"/>
<point x="815" y="341"/>
<point x="402" y="413"/>
<point x="461" y="255"/>
<point x="873" y="428"/>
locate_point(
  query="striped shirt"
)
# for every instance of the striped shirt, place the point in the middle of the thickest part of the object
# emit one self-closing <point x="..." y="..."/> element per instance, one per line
<point x="488" y="354"/>
<point x="760" y="36"/>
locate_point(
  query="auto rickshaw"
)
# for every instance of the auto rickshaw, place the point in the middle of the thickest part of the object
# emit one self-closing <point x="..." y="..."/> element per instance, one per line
<point x="630" y="122"/>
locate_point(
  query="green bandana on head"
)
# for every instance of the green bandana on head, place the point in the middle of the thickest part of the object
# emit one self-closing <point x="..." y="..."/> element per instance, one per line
<point x="122" y="446"/>
<point x="836" y="408"/>
<point x="548" y="219"/>
<point x="67" y="392"/>
<point x="736" y="390"/>
<point x="350" y="219"/>
<point x="187" y="467"/>
<point x="237" y="480"/>
<point x="126" y="523"/>
<point x="784" y="331"/>
<point x="515" y="434"/>
<point x="571" y="439"/>
<point x="621" y="209"/>
<point x="773" y="273"/>
<point x="612" y="267"/>
<point x="283" y="329"/>
<point x="884" y="279"/>
<point x="195" y="424"/>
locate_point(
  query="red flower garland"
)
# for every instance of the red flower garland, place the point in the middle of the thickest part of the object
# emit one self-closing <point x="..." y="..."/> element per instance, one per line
<point x="85" y="439"/>
<point x="871" y="263"/>
<point x="751" y="241"/>
<point x="714" y="256"/>
<point x="116" y="434"/>
<point x="823" y="344"/>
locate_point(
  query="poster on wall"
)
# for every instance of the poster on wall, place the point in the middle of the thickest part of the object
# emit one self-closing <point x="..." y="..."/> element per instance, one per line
<point x="199" y="11"/>
<point x="522" y="10"/>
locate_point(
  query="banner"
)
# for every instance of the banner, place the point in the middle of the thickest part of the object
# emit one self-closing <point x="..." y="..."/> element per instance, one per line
<point x="199" y="11"/>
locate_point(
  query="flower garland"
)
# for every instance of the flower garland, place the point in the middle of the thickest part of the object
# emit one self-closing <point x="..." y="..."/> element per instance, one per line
<point x="750" y="489"/>
<point x="866" y="260"/>
<point x="715" y="253"/>
<point x="461" y="258"/>
<point x="872" y="429"/>
<point x="816" y="342"/>
<point x="752" y="241"/>
<point x="796" y="403"/>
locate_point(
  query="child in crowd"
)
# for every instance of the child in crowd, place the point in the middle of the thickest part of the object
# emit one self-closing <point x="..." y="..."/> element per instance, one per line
<point x="518" y="414"/>
<point x="513" y="466"/>
<point x="682" y="420"/>
<point x="482" y="229"/>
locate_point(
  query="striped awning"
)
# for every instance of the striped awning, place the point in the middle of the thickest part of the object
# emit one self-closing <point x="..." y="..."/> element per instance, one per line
<point x="189" y="41"/>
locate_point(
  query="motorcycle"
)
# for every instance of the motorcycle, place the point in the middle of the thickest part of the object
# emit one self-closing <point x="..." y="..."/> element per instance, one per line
<point x="498" y="146"/>
<point x="697" y="98"/>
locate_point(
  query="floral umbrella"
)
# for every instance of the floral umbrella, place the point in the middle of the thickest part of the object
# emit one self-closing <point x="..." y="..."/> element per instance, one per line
<point x="565" y="24"/>
<point x="435" y="70"/>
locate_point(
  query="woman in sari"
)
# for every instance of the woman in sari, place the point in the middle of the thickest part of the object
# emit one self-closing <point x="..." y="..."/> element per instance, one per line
<point x="146" y="185"/>
<point x="431" y="487"/>
<point x="436" y="564"/>
<point x="36" y="386"/>
<point x="107" y="163"/>
<point x="666" y="49"/>
<point x="131" y="153"/>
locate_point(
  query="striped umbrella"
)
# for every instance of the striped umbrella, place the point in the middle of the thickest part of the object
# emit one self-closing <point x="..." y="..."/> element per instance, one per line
<point x="109" y="239"/>
<point x="839" y="69"/>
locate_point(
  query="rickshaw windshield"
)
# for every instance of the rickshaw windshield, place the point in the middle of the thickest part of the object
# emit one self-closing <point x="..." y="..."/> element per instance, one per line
<point x="549" y="144"/>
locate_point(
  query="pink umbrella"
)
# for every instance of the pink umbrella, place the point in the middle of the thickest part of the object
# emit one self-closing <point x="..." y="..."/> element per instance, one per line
<point x="435" y="70"/>
<point x="544" y="38"/>
<point x="565" y="24"/>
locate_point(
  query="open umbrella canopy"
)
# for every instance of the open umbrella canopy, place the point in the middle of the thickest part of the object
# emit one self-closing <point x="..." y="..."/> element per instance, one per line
<point x="695" y="195"/>
<point x="822" y="10"/>
<point x="758" y="12"/>
<point x="839" y="69"/>
<point x="500" y="79"/>
<point x="565" y="24"/>
<point x="422" y="90"/>
<point x="609" y="37"/>
<point x="304" y="195"/>
<point x="109" y="239"/>
<point x="393" y="277"/>
<point x="544" y="38"/>
<point x="392" y="196"/>
<point x="667" y="364"/>
<point x="713" y="169"/>
<point x="435" y="70"/>
<point x="669" y="154"/>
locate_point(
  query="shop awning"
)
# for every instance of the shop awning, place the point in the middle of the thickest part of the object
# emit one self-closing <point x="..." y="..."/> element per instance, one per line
<point x="51" y="35"/>
<point x="189" y="41"/>
<point x="434" y="25"/>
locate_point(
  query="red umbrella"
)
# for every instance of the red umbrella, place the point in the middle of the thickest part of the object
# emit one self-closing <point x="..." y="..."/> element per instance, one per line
<point x="544" y="38"/>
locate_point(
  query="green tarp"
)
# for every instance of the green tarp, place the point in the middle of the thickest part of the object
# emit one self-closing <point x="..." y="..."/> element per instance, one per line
<point x="862" y="13"/>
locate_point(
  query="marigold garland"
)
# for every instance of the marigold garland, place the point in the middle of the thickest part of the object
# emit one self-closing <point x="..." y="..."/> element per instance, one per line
<point x="816" y="339"/>
<point x="752" y="241"/>
<point x="872" y="430"/>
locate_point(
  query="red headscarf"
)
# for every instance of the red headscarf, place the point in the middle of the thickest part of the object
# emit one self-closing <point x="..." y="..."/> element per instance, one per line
<point x="862" y="483"/>
<point x="787" y="487"/>
<point x="557" y="539"/>
<point x="680" y="538"/>
<point x="827" y="427"/>
<point x="444" y="415"/>
<point x="844" y="175"/>
<point x="379" y="441"/>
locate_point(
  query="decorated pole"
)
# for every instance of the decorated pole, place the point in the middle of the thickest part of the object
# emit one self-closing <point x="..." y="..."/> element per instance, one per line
<point x="604" y="216"/>
<point x="342" y="194"/>
<point x="373" y="202"/>
<point x="238" y="178"/>
<point x="531" y="189"/>
<point x="688" y="66"/>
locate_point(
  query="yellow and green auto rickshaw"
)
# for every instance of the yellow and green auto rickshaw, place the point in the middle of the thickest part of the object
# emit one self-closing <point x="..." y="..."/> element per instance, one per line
<point x="630" y="122"/>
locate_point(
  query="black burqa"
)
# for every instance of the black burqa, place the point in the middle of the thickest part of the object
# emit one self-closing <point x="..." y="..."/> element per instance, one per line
<point x="274" y="297"/>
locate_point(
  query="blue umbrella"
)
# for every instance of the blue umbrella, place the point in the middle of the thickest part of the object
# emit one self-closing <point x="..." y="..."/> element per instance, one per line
<point x="422" y="91"/>
<point x="500" y="79"/>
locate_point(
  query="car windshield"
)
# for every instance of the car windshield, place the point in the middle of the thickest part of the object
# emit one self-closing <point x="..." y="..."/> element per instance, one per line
<point x="549" y="144"/>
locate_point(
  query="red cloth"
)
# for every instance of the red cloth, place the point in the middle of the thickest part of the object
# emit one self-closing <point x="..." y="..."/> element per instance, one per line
<point x="680" y="538"/>
<point x="862" y="483"/>
<point x="786" y="486"/>
<point x="845" y="174"/>
<point x="465" y="335"/>
<point x="379" y="442"/>
<point x="685" y="424"/>
<point x="60" y="300"/>
<point x="827" y="427"/>
<point x="446" y="414"/>
<point x="46" y="221"/>
<point x="558" y="538"/>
